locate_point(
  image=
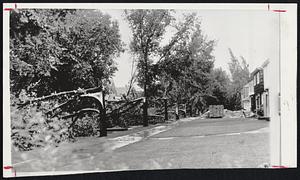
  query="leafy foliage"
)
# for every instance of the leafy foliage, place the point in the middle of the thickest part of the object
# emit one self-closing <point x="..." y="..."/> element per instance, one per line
<point x="32" y="128"/>
<point x="58" y="50"/>
<point x="148" y="28"/>
<point x="219" y="86"/>
<point x="55" y="50"/>
<point x="186" y="69"/>
<point x="240" y="76"/>
<point x="85" y="125"/>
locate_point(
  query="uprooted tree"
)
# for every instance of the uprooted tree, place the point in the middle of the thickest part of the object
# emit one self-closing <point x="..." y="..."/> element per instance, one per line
<point x="52" y="51"/>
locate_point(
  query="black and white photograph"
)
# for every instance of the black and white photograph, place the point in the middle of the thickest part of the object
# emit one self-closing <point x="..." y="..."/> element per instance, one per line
<point x="96" y="89"/>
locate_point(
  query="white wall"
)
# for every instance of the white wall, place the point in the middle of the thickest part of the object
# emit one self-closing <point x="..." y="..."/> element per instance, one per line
<point x="246" y="105"/>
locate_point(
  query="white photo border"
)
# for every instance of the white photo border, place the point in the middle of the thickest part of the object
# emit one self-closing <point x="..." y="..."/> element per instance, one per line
<point x="286" y="150"/>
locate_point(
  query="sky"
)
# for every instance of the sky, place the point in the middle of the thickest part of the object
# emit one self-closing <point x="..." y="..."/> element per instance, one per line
<point x="253" y="34"/>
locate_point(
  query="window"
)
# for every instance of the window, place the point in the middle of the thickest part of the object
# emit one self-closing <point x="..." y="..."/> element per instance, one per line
<point x="246" y="91"/>
<point x="256" y="78"/>
<point x="251" y="88"/>
<point x="258" y="101"/>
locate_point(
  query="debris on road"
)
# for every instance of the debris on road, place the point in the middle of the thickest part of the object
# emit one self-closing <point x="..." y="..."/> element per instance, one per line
<point x="231" y="114"/>
<point x="216" y="111"/>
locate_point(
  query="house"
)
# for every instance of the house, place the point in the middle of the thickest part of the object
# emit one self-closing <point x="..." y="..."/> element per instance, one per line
<point x="246" y="94"/>
<point x="255" y="94"/>
<point x="258" y="83"/>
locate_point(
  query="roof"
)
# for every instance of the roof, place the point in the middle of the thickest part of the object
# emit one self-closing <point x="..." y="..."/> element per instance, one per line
<point x="265" y="63"/>
<point x="255" y="71"/>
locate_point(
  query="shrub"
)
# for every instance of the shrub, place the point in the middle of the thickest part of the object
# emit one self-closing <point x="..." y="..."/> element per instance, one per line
<point x="260" y="112"/>
<point x="30" y="127"/>
<point x="85" y="125"/>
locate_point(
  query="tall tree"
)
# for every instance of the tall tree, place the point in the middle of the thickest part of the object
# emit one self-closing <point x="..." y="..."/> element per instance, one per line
<point x="34" y="51"/>
<point x="148" y="28"/>
<point x="188" y="65"/>
<point x="219" y="86"/>
<point x="93" y="42"/>
<point x="201" y="50"/>
<point x="239" y="76"/>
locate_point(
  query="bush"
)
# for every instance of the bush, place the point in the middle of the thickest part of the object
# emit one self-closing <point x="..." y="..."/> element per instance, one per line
<point x="260" y="112"/>
<point x="85" y="125"/>
<point x="31" y="128"/>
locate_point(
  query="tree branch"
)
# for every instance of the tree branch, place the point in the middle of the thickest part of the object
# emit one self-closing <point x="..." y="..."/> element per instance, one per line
<point x="77" y="92"/>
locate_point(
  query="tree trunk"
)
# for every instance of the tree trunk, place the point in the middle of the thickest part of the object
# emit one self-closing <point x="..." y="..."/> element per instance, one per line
<point x="166" y="109"/>
<point x="177" y="111"/>
<point x="103" y="119"/>
<point x="191" y="110"/>
<point x="145" y="107"/>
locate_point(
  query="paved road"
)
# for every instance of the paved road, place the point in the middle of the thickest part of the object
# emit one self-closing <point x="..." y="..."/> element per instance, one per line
<point x="188" y="143"/>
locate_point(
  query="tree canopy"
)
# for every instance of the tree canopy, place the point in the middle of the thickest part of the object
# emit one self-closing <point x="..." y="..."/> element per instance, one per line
<point x="185" y="71"/>
<point x="56" y="50"/>
<point x="148" y="28"/>
<point x="240" y="76"/>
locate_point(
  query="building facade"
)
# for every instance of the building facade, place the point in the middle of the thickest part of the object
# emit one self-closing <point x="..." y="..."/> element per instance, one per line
<point x="246" y="94"/>
<point x="258" y="83"/>
<point x="255" y="94"/>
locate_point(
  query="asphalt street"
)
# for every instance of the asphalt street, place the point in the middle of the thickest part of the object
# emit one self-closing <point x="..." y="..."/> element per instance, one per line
<point x="187" y="143"/>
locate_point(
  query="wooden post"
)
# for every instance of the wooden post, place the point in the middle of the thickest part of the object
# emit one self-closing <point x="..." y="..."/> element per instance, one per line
<point x="103" y="125"/>
<point x="185" y="110"/>
<point x="177" y="111"/>
<point x="191" y="110"/>
<point x="145" y="113"/>
<point x="166" y="108"/>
